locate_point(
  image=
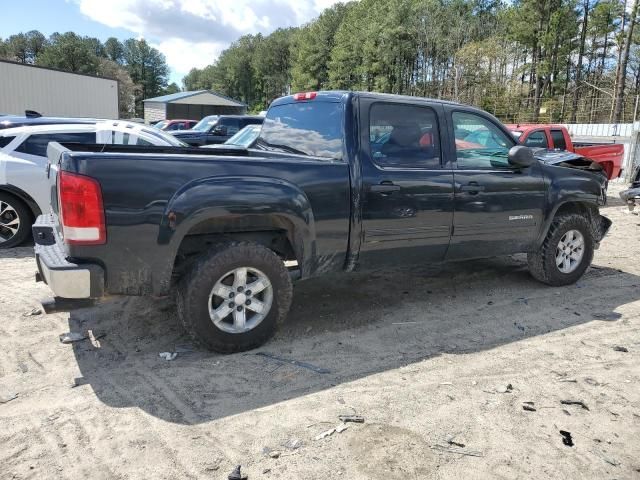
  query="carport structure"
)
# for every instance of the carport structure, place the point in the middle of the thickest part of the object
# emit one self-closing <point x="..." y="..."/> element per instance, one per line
<point x="191" y="105"/>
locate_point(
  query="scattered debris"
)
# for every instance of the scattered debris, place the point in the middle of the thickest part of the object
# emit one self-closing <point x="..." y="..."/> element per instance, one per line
<point x="452" y="441"/>
<point x="265" y="471"/>
<point x="33" y="313"/>
<point x="341" y="428"/>
<point x="293" y="444"/>
<point x="566" y="438"/>
<point x="325" y="434"/>
<point x="296" y="363"/>
<point x="71" y="337"/>
<point x="619" y="348"/>
<point x="566" y="412"/>
<point x="459" y="451"/>
<point x="351" y="418"/>
<point x="610" y="461"/>
<point x="274" y="454"/>
<point x="237" y="475"/>
<point x="168" y="356"/>
<point x="505" y="389"/>
<point x="568" y="380"/>
<point x="7" y="397"/>
<point x="593" y="382"/>
<point x="446" y="383"/>
<point x="528" y="406"/>
<point x="575" y="402"/>
<point x="185" y="348"/>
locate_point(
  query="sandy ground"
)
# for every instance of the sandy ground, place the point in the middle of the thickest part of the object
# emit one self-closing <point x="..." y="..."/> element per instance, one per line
<point x="424" y="354"/>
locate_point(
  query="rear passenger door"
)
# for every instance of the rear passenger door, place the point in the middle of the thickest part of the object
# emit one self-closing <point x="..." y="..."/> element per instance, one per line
<point x="407" y="209"/>
<point x="498" y="208"/>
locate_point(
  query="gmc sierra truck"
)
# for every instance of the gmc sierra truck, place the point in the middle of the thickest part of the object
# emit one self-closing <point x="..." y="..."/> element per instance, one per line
<point x="335" y="181"/>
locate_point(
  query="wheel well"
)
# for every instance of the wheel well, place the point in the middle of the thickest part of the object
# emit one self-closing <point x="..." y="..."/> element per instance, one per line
<point x="576" y="207"/>
<point x="195" y="244"/>
<point x="23" y="197"/>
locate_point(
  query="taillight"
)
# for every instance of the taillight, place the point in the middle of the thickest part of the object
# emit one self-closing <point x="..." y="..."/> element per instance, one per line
<point x="81" y="211"/>
<point x="305" y="96"/>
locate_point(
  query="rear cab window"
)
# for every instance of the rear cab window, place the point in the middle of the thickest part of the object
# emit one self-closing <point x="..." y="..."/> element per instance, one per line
<point x="312" y="128"/>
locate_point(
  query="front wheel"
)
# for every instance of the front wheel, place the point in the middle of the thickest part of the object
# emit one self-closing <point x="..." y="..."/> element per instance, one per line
<point x="15" y="221"/>
<point x="233" y="298"/>
<point x="566" y="252"/>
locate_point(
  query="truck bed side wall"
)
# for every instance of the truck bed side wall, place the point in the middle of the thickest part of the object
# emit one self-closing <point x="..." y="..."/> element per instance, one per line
<point x="311" y="198"/>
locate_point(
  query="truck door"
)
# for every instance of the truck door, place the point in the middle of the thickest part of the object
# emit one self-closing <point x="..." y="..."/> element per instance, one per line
<point x="498" y="208"/>
<point x="407" y="209"/>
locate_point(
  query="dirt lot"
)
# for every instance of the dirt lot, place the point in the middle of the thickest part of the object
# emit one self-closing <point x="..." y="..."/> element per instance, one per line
<point x="424" y="354"/>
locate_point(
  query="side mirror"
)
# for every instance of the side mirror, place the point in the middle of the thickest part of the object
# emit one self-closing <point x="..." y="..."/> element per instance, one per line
<point x="521" y="156"/>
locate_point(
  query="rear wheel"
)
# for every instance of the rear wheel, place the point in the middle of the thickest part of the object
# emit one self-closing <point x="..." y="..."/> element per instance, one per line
<point x="232" y="299"/>
<point x="566" y="252"/>
<point x="15" y="221"/>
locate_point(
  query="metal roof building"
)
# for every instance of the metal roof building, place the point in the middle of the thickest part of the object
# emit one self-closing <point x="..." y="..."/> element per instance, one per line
<point x="55" y="93"/>
<point x="191" y="105"/>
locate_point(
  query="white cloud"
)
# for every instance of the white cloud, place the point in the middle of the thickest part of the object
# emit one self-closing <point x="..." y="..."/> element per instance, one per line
<point x="192" y="33"/>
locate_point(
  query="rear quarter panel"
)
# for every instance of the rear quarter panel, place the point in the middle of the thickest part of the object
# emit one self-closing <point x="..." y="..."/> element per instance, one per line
<point x="152" y="201"/>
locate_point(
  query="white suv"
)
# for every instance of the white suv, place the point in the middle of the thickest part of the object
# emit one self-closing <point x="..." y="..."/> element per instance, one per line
<point x="24" y="188"/>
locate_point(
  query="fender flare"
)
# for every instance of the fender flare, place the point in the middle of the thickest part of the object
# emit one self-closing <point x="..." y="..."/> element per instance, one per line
<point x="234" y="204"/>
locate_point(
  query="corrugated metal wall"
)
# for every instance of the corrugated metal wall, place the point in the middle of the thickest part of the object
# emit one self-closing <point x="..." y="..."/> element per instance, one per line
<point x="55" y="93"/>
<point x="154" y="111"/>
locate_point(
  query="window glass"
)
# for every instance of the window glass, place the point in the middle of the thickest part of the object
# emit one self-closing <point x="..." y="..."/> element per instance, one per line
<point x="142" y="141"/>
<point x="537" y="139"/>
<point x="558" y="139"/>
<point x="36" y="144"/>
<point x="479" y="142"/>
<point x="305" y="128"/>
<point x="206" y="124"/>
<point x="4" y="141"/>
<point x="231" y="124"/>
<point x="404" y="136"/>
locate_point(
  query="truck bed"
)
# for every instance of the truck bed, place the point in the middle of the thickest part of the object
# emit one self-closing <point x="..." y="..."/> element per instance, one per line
<point x="154" y="197"/>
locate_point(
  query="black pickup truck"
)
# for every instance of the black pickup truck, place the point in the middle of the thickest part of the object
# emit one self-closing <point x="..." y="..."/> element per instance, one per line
<point x="336" y="181"/>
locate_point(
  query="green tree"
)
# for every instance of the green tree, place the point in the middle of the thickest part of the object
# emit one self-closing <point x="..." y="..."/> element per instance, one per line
<point x="311" y="49"/>
<point x="114" y="50"/>
<point x="147" y="68"/>
<point x="70" y="52"/>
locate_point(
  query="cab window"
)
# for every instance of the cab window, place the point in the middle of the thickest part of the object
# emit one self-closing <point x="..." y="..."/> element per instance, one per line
<point x="403" y="136"/>
<point x="537" y="139"/>
<point x="480" y="144"/>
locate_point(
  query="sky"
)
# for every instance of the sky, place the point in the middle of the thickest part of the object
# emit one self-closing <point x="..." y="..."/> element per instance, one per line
<point x="190" y="33"/>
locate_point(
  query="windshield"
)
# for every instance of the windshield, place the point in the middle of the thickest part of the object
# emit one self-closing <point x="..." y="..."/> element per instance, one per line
<point x="303" y="128"/>
<point x="161" y="124"/>
<point x="516" y="133"/>
<point x="245" y="137"/>
<point x="206" y="123"/>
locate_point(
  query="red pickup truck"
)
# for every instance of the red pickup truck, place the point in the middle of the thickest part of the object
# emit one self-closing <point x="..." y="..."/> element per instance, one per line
<point x="608" y="155"/>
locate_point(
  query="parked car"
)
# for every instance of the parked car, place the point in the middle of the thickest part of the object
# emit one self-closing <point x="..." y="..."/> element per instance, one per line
<point x="171" y="125"/>
<point x="243" y="139"/>
<point x="24" y="188"/>
<point x="609" y="155"/>
<point x="631" y="196"/>
<point x="217" y="227"/>
<point x="217" y="129"/>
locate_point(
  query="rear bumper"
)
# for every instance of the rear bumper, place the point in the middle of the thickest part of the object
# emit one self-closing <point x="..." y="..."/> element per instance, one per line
<point x="65" y="278"/>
